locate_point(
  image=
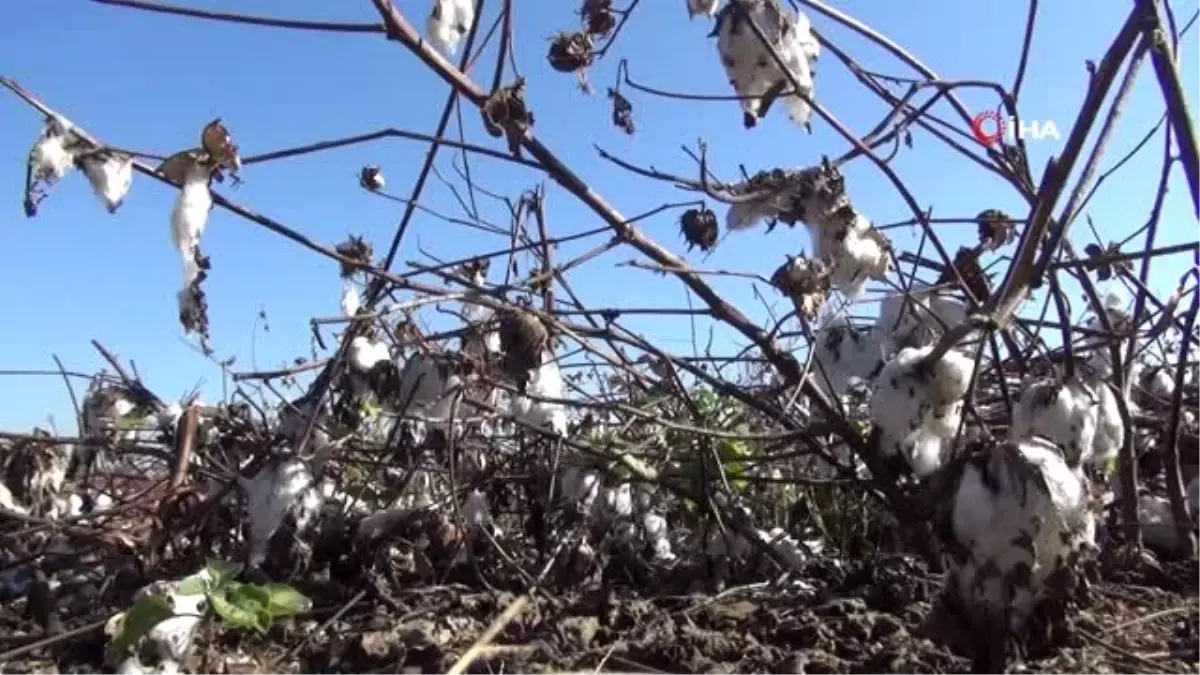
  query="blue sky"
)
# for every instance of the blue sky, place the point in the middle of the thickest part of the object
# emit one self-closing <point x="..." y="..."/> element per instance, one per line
<point x="150" y="82"/>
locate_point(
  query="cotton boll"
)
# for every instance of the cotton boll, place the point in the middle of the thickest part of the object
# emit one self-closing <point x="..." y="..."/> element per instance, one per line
<point x="579" y="487"/>
<point x="745" y="215"/>
<point x="190" y="213"/>
<point x="270" y="495"/>
<point x="752" y="69"/>
<point x="617" y="502"/>
<point x="53" y="155"/>
<point x="426" y="386"/>
<point x="857" y="254"/>
<point x="654" y="530"/>
<point x="1019" y="513"/>
<point x="350" y="299"/>
<point x="1064" y="412"/>
<point x="365" y="353"/>
<point x="917" y="406"/>
<point x="110" y="175"/>
<point x="448" y="22"/>
<point x="1110" y="430"/>
<point x="844" y="354"/>
<point x="545" y="381"/>
<point x="476" y="512"/>
<point x="169" y="641"/>
<point x="920" y="318"/>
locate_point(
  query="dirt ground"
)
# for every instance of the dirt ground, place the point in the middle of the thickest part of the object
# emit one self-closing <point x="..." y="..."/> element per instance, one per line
<point x="852" y="618"/>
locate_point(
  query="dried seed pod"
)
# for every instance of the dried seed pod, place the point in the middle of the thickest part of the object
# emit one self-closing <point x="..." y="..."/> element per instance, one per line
<point x="358" y="251"/>
<point x="523" y="340"/>
<point x="622" y="111"/>
<point x="699" y="227"/>
<point x="598" y="17"/>
<point x="884" y="262"/>
<point x="371" y="178"/>
<point x="218" y="143"/>
<point x="806" y="281"/>
<point x="996" y="229"/>
<point x="570" y="52"/>
<point x="505" y="114"/>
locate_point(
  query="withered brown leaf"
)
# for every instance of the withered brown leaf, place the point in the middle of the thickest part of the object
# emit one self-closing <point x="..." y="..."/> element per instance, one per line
<point x="218" y="143"/>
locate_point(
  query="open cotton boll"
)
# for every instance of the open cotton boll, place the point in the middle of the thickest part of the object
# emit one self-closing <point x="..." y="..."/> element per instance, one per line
<point x="844" y="354"/>
<point x="696" y="7"/>
<point x="545" y="381"/>
<point x="617" y="502"/>
<point x="1019" y="512"/>
<point x="856" y="258"/>
<point x="1110" y="430"/>
<point x="364" y="353"/>
<point x="350" y="299"/>
<point x="918" y="319"/>
<point x="753" y="70"/>
<point x="449" y="21"/>
<point x="655" y="533"/>
<point x="579" y="487"/>
<point x="53" y="155"/>
<point x="270" y="495"/>
<point x="917" y="406"/>
<point x="426" y="386"/>
<point x="110" y="174"/>
<point x="1067" y="413"/>
<point x="190" y="214"/>
<point x="476" y="512"/>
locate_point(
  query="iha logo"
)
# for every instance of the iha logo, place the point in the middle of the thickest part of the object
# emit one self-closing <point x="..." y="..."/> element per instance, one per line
<point x="990" y="127"/>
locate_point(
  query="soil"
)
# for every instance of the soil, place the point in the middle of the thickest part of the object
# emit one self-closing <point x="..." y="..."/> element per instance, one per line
<point x="838" y="617"/>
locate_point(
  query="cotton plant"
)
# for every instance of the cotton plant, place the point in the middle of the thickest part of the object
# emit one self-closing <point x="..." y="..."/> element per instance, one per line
<point x="110" y="174"/>
<point x="280" y="488"/>
<point x="448" y="22"/>
<point x="844" y="354"/>
<point x="751" y="67"/>
<point x="545" y="381"/>
<point x="852" y="249"/>
<point x="1064" y="410"/>
<point x="917" y="405"/>
<point x="1019" y="514"/>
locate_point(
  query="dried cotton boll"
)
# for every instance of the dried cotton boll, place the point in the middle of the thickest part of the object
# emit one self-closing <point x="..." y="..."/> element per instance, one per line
<point x="617" y="502"/>
<point x="1018" y="514"/>
<point x="844" y="354"/>
<point x="111" y="175"/>
<point x="523" y="340"/>
<point x="449" y="21"/>
<point x="1067" y="413"/>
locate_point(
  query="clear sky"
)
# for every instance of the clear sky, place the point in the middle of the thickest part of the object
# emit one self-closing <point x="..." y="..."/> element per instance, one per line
<point x="151" y="81"/>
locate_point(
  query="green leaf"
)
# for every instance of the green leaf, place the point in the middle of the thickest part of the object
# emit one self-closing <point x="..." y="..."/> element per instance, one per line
<point x="194" y="585"/>
<point x="283" y="600"/>
<point x="221" y="572"/>
<point x="240" y="613"/>
<point x="145" y="614"/>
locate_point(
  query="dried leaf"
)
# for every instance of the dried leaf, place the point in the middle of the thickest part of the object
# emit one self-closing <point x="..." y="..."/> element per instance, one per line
<point x="996" y="229"/>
